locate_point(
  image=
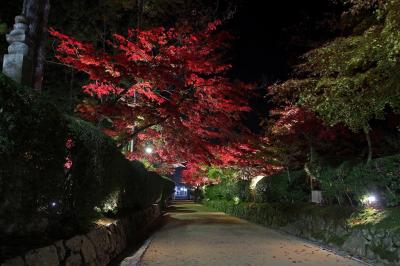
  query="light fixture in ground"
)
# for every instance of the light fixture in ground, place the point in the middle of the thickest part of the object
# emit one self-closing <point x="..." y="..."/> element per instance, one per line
<point x="370" y="200"/>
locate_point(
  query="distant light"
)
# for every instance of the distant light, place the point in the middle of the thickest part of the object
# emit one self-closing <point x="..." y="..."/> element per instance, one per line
<point x="53" y="204"/>
<point x="148" y="150"/>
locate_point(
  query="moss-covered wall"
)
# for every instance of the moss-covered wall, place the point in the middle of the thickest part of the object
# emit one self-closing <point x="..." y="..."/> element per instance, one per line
<point x="377" y="241"/>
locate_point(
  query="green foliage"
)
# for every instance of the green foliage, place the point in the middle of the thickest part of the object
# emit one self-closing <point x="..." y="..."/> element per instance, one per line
<point x="351" y="181"/>
<point x="143" y="188"/>
<point x="352" y="79"/>
<point x="97" y="170"/>
<point x="223" y="174"/>
<point x="218" y="192"/>
<point x="381" y="176"/>
<point x="3" y="28"/>
<point x="197" y="194"/>
<point x="229" y="190"/>
<point x="377" y="219"/>
<point x="336" y="186"/>
<point x="32" y="156"/>
<point x="36" y="187"/>
<point x="282" y="187"/>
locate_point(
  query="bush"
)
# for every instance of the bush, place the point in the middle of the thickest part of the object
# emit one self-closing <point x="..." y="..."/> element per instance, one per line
<point x="32" y="157"/>
<point x="229" y="190"/>
<point x="97" y="171"/>
<point x="168" y="189"/>
<point x="38" y="193"/>
<point x="380" y="176"/>
<point x="279" y="188"/>
<point x="336" y="185"/>
<point x="142" y="189"/>
<point x="351" y="181"/>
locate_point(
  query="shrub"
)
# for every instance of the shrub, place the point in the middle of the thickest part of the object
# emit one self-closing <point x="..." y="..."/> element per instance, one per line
<point x="143" y="188"/>
<point x="351" y="181"/>
<point x="335" y="182"/>
<point x="168" y="189"/>
<point x="215" y="192"/>
<point x="282" y="188"/>
<point x="98" y="168"/>
<point x="32" y="157"/>
<point x="37" y="192"/>
<point x="228" y="190"/>
<point x="381" y="176"/>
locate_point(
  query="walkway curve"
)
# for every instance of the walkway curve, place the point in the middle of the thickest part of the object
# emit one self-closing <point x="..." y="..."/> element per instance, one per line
<point x="196" y="235"/>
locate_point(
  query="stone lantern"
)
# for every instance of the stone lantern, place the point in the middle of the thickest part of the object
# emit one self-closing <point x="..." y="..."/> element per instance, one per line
<point x="17" y="64"/>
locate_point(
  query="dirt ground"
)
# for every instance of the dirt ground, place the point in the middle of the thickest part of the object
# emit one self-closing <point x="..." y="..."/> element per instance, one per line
<point x="196" y="235"/>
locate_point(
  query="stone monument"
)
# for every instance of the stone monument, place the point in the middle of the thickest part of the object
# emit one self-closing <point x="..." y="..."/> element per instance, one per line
<point x="17" y="64"/>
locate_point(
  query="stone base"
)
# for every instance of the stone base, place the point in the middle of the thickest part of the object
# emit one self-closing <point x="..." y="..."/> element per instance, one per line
<point x="98" y="247"/>
<point x="18" y="67"/>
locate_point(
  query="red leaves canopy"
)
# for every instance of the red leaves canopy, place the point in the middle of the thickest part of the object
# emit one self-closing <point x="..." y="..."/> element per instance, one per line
<point x="167" y="85"/>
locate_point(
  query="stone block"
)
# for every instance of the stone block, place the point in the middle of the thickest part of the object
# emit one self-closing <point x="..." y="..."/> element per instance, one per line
<point x="14" y="262"/>
<point x="46" y="256"/>
<point x="74" y="260"/>
<point x="88" y="252"/>
<point x="356" y="244"/>
<point x="60" y="250"/>
<point x="20" y="26"/>
<point x="74" y="244"/>
<point x="18" y="48"/>
<point x="18" y="67"/>
<point x="17" y="36"/>
<point x="101" y="242"/>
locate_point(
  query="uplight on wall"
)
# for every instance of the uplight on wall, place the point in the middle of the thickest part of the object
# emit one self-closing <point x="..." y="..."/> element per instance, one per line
<point x="254" y="181"/>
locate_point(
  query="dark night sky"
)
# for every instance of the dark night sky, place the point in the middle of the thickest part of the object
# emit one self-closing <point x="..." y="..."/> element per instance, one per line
<point x="265" y="30"/>
<point x="272" y="35"/>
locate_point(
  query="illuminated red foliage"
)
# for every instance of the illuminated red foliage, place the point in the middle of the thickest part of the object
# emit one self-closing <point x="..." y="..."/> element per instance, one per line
<point x="166" y="88"/>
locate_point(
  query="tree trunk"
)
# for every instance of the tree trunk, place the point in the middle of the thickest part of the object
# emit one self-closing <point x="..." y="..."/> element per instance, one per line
<point x="288" y="174"/>
<point x="37" y="13"/>
<point x="311" y="161"/>
<point x="368" y="138"/>
<point x="312" y="151"/>
<point x="139" y="24"/>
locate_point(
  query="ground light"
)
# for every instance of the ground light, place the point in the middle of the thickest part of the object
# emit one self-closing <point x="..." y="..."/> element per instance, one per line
<point x="370" y="200"/>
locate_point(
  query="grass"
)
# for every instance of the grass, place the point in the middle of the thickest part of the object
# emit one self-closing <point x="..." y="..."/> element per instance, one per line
<point x="380" y="219"/>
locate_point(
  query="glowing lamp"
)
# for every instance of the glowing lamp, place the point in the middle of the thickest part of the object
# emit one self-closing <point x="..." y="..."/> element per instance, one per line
<point x="371" y="199"/>
<point x="148" y="150"/>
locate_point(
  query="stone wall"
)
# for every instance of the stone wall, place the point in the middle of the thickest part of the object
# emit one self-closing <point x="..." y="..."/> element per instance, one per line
<point x="378" y="246"/>
<point x="98" y="247"/>
<point x="375" y="245"/>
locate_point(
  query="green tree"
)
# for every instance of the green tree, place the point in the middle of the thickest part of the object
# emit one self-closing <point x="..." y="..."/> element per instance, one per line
<point x="355" y="79"/>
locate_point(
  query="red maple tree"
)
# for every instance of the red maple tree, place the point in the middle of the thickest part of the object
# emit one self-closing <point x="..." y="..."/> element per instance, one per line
<point x="164" y="88"/>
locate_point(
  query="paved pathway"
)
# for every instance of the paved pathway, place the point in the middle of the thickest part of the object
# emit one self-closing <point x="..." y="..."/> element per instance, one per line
<point x="196" y="235"/>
